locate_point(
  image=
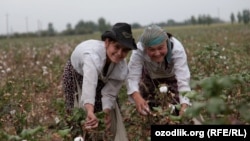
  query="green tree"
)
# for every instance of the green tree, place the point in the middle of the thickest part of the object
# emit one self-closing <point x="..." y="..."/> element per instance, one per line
<point x="232" y="18"/>
<point x="85" y="27"/>
<point x="135" y="25"/>
<point x="246" y="16"/>
<point x="208" y="20"/>
<point x="239" y="16"/>
<point x="193" y="20"/>
<point x="90" y="27"/>
<point x="79" y="28"/>
<point x="171" y="22"/>
<point x="51" y="30"/>
<point x="69" y="30"/>
<point x="102" y="25"/>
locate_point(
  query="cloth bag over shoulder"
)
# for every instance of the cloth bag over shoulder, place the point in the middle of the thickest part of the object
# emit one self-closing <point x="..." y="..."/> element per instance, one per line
<point x="117" y="123"/>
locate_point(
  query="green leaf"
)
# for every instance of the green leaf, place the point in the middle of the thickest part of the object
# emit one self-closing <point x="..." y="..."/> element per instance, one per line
<point x="215" y="105"/>
<point x="157" y="109"/>
<point x="178" y="106"/>
<point x="64" y="132"/>
<point x="174" y="118"/>
<point x="190" y="94"/>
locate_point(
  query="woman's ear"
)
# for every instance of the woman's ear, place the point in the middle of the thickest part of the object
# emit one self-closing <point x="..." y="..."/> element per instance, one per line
<point x="107" y="42"/>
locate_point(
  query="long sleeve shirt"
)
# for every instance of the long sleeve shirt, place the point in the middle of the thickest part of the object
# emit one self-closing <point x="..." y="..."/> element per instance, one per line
<point x="88" y="59"/>
<point x="181" y="69"/>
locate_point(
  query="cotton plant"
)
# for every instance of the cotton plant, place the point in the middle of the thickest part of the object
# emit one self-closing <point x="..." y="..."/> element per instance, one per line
<point x="166" y="109"/>
<point x="139" y="126"/>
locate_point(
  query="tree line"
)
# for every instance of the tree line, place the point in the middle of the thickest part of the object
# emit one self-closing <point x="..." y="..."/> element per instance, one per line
<point x="89" y="27"/>
<point x="242" y="17"/>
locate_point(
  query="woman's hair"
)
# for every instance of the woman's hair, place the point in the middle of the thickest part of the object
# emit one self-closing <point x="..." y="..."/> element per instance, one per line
<point x="152" y="35"/>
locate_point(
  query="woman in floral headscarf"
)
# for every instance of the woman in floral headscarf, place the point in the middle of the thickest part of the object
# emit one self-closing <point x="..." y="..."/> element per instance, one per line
<point x="160" y="59"/>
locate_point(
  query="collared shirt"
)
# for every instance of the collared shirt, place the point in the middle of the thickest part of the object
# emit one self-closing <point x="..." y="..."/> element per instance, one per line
<point x="181" y="69"/>
<point x="88" y="59"/>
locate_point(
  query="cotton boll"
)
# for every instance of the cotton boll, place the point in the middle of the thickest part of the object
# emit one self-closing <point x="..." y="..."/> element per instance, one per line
<point x="163" y="89"/>
<point x="13" y="112"/>
<point x="172" y="108"/>
<point x="8" y="69"/>
<point x="78" y="139"/>
<point x="57" y="120"/>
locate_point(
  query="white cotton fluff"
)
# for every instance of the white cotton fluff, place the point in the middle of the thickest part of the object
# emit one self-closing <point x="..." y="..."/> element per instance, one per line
<point x="78" y="139"/>
<point x="163" y="89"/>
<point x="172" y="108"/>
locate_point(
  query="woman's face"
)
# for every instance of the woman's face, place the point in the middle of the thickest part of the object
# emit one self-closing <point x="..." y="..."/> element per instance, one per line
<point x="158" y="52"/>
<point x="115" y="51"/>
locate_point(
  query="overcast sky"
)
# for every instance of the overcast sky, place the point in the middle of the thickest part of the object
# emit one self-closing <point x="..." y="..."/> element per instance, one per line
<point x="31" y="15"/>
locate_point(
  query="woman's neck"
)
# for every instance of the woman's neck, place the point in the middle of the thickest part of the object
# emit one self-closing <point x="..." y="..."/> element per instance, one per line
<point x="108" y="61"/>
<point x="106" y="66"/>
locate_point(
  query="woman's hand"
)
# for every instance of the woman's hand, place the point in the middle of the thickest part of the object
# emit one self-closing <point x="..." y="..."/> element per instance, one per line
<point x="107" y="120"/>
<point x="91" y="119"/>
<point x="141" y="105"/>
<point x="183" y="108"/>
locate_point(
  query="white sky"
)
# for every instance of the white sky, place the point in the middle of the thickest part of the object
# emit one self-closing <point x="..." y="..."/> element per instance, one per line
<point x="31" y="15"/>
